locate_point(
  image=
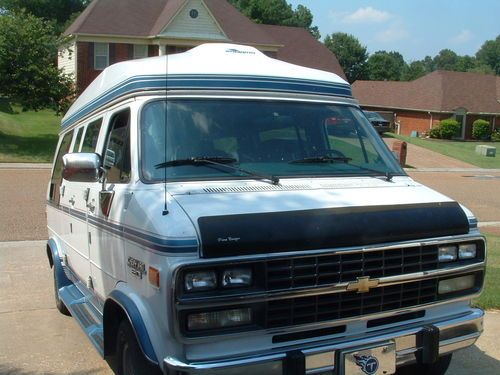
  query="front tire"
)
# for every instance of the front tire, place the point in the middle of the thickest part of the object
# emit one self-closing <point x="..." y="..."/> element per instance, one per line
<point x="438" y="368"/>
<point x="129" y="357"/>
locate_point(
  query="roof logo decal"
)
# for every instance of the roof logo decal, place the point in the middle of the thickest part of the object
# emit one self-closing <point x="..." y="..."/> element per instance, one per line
<point x="234" y="50"/>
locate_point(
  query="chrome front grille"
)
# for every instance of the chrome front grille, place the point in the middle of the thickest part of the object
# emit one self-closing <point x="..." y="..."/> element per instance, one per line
<point x="320" y="308"/>
<point x="314" y="288"/>
<point x="332" y="269"/>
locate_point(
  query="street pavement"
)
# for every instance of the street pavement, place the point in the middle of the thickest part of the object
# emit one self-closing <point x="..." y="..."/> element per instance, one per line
<point x="36" y="339"/>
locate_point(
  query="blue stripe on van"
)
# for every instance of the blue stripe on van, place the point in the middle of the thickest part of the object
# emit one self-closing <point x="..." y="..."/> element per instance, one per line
<point x="211" y="82"/>
<point x="152" y="242"/>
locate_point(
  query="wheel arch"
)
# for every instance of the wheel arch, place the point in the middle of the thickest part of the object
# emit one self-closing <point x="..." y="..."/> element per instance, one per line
<point x="119" y="306"/>
<point x="55" y="261"/>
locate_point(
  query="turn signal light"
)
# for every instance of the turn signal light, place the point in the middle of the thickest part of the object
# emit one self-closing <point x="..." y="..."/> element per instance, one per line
<point x="154" y="277"/>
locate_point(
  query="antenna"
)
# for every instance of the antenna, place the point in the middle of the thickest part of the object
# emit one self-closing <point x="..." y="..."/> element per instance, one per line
<point x="165" y="207"/>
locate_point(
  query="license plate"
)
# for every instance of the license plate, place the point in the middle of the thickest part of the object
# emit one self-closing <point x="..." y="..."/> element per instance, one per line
<point x="373" y="360"/>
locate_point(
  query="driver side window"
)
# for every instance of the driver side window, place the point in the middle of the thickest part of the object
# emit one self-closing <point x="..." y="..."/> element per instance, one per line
<point x="117" y="148"/>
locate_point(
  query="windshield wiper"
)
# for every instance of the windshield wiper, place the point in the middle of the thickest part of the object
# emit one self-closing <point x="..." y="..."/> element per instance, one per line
<point x="341" y="159"/>
<point x="388" y="175"/>
<point x="219" y="161"/>
<point x="321" y="159"/>
<point x="197" y="160"/>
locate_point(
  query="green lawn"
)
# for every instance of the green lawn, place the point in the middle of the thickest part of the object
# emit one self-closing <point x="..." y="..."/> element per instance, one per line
<point x="460" y="150"/>
<point x="27" y="136"/>
<point x="490" y="298"/>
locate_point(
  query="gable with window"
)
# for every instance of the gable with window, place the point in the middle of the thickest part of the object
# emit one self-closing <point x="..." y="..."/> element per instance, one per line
<point x="140" y="51"/>
<point x="101" y="56"/>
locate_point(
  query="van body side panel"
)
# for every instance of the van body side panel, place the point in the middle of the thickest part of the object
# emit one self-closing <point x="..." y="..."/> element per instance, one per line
<point x="73" y="211"/>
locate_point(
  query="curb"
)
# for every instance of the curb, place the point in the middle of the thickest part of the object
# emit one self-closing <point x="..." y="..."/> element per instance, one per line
<point x="15" y="244"/>
<point x="25" y="166"/>
<point x="476" y="170"/>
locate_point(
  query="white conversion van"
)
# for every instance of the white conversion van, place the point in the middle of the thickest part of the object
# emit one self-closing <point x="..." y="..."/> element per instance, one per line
<point x="221" y="212"/>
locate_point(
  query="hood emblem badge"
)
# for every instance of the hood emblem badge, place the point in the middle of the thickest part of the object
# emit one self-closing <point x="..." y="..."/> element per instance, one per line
<point x="362" y="284"/>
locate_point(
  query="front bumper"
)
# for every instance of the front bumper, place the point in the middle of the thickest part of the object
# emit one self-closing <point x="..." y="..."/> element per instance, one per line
<point x="453" y="334"/>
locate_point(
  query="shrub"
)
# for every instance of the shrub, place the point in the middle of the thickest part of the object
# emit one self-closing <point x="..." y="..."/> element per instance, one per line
<point x="449" y="128"/>
<point x="481" y="129"/>
<point x="435" y="132"/>
<point x="495" y="136"/>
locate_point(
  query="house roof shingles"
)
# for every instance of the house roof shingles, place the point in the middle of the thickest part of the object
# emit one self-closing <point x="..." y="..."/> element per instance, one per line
<point x="311" y="53"/>
<point x="121" y="17"/>
<point x="147" y="18"/>
<point x="442" y="91"/>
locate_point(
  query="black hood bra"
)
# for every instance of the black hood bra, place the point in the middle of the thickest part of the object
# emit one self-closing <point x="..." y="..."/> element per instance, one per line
<point x="260" y="233"/>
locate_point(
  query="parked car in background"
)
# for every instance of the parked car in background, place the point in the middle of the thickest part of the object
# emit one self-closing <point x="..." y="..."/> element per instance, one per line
<point x="380" y="124"/>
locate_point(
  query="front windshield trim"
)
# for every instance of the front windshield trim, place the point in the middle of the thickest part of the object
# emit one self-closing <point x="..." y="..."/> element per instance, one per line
<point x="257" y="98"/>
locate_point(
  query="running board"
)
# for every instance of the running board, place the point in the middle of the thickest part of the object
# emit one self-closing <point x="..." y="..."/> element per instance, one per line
<point x="89" y="318"/>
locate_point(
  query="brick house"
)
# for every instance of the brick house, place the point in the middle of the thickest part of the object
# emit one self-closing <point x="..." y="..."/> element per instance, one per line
<point x="420" y="104"/>
<point x="109" y="31"/>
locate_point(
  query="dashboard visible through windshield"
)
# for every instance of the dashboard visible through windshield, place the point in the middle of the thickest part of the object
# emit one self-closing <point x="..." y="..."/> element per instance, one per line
<point x="191" y="139"/>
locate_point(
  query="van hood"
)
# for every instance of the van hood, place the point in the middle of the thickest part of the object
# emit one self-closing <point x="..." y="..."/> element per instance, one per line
<point x="252" y="218"/>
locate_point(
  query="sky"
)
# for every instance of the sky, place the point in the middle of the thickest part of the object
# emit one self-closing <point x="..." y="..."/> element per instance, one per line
<point x="414" y="28"/>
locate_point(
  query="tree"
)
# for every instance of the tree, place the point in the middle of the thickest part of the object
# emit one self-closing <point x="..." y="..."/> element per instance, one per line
<point x="350" y="54"/>
<point x="429" y="64"/>
<point x="28" y="74"/>
<point x="303" y="18"/>
<point x="465" y="63"/>
<point x="58" y="11"/>
<point x="446" y="59"/>
<point x="482" y="68"/>
<point x="385" y="66"/>
<point x="414" y="70"/>
<point x="277" y="12"/>
<point x="489" y="54"/>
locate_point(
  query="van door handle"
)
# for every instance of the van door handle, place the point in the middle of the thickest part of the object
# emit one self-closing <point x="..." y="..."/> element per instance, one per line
<point x="72" y="201"/>
<point x="91" y="207"/>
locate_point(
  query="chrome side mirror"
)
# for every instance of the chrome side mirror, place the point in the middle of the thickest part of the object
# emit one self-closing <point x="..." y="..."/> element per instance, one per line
<point x="82" y="167"/>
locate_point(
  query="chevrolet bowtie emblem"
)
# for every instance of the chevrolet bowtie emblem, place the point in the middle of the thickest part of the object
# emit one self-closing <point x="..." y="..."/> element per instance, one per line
<point x="362" y="285"/>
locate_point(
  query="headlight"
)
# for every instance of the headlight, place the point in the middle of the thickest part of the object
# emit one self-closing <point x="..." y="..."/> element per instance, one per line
<point x="238" y="277"/>
<point x="447" y="253"/>
<point x="199" y="281"/>
<point x="467" y="251"/>
<point x="219" y="319"/>
<point x="456" y="284"/>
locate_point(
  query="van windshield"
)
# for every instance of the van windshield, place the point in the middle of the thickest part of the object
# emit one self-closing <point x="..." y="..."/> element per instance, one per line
<point x="275" y="138"/>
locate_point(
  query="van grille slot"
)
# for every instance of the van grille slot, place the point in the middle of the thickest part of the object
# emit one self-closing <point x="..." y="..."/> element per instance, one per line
<point x="245" y="189"/>
<point x="313" y="309"/>
<point x="332" y="269"/>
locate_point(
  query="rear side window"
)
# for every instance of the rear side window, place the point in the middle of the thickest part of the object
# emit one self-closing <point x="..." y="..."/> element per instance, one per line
<point x="117" y="150"/>
<point x="91" y="136"/>
<point x="56" y="179"/>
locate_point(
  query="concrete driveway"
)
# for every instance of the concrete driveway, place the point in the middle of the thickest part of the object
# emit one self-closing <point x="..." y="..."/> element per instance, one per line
<point x="36" y="339"/>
